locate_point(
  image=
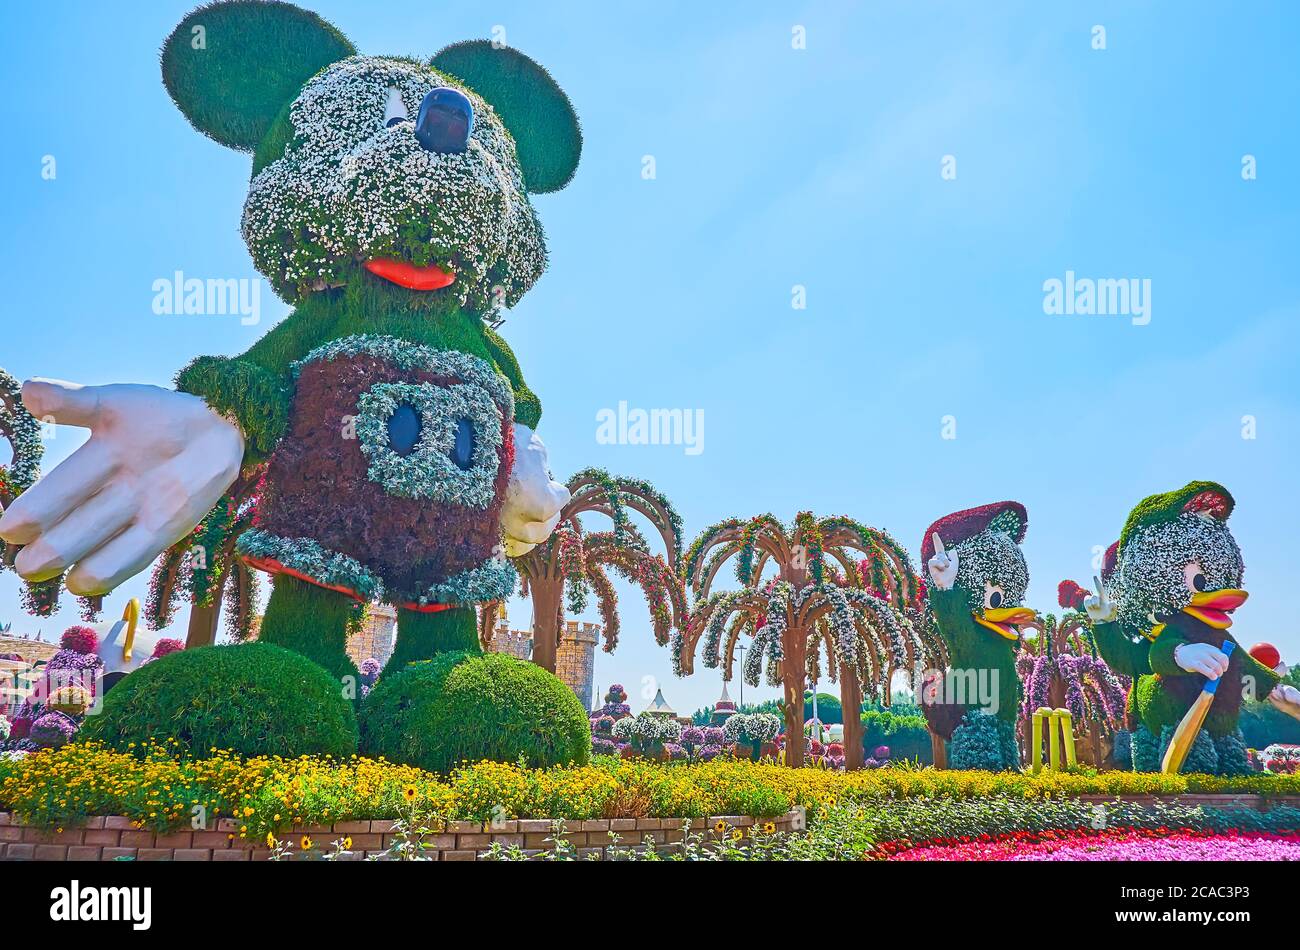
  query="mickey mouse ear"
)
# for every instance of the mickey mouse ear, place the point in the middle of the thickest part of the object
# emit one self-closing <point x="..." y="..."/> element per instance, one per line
<point x="232" y="66"/>
<point x="548" y="138"/>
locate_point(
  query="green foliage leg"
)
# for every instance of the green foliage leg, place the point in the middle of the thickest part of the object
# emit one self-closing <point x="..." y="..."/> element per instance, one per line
<point x="424" y="636"/>
<point x="986" y="742"/>
<point x="1123" y="751"/>
<point x="1202" y="757"/>
<point x="1146" y="750"/>
<point x="312" y="621"/>
<point x="1232" y="754"/>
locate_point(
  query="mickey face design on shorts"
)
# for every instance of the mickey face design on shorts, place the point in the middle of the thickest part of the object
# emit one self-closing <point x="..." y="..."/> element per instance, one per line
<point x="394" y="470"/>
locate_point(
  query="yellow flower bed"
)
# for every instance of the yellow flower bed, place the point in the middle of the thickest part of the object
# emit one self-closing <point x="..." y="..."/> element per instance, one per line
<point x="57" y="789"/>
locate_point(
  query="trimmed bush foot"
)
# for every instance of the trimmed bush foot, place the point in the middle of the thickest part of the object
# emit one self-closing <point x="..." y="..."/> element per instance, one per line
<point x="423" y="636"/>
<point x="250" y="698"/>
<point x="465" y="707"/>
<point x="1203" y="756"/>
<point x="981" y="741"/>
<point x="1233" y="759"/>
<point x="1146" y="750"/>
<point x="312" y="621"/>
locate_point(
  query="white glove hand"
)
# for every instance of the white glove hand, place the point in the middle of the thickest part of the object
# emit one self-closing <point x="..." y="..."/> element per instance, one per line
<point x="1201" y="658"/>
<point x="1286" y="698"/>
<point x="1099" y="608"/>
<point x="533" y="501"/>
<point x="155" y="464"/>
<point x="943" y="566"/>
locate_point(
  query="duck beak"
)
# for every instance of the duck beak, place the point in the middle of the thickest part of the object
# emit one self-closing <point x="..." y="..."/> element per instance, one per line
<point x="1214" y="607"/>
<point x="1004" y="621"/>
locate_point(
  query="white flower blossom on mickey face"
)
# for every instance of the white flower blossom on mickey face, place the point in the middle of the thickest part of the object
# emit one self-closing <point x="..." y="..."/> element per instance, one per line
<point x="1151" y="577"/>
<point x="349" y="189"/>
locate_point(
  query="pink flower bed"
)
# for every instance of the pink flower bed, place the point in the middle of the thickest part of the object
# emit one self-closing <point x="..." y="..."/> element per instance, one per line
<point x="1118" y="845"/>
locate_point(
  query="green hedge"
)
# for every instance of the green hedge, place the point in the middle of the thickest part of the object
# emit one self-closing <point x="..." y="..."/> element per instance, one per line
<point x="906" y="736"/>
<point x="462" y="707"/>
<point x="252" y="699"/>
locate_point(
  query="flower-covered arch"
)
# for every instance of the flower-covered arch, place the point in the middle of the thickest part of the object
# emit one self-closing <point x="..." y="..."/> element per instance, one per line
<point x="573" y="562"/>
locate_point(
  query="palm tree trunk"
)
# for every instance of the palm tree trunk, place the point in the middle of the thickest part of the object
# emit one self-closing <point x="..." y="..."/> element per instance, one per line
<point x="203" y="623"/>
<point x="794" y="670"/>
<point x="546" y="594"/>
<point x="851" y="701"/>
<point x="938" y="750"/>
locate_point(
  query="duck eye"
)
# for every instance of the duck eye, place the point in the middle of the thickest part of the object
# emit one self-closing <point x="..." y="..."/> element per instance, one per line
<point x="993" y="596"/>
<point x="1194" y="576"/>
<point x="1199" y="581"/>
<point x="462" y="450"/>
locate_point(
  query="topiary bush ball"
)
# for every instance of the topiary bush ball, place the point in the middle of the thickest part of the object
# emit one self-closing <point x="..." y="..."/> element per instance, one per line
<point x="79" y="639"/>
<point x="250" y="698"/>
<point x="462" y="707"/>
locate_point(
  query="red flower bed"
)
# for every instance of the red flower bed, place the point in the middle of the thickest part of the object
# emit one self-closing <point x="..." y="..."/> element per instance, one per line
<point x="1111" y="844"/>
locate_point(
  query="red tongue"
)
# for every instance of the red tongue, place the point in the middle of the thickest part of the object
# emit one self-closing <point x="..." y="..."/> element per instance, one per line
<point x="431" y="277"/>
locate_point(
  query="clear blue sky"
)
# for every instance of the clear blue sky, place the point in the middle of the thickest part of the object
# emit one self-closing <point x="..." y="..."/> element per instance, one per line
<point x="778" y="167"/>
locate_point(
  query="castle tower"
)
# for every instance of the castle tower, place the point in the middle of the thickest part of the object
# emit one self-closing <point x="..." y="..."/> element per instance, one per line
<point x="723" y="709"/>
<point x="575" y="660"/>
<point x="376" y="637"/>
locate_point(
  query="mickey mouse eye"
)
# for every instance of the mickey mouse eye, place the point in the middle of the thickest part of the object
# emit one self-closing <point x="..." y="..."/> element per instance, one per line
<point x="462" y="450"/>
<point x="394" y="108"/>
<point x="994" y="596"/>
<point x="404" y="429"/>
<point x="1194" y="577"/>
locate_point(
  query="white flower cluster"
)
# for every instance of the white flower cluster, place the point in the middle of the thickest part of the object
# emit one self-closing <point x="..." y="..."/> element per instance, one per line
<point x="755" y="727"/>
<point x="349" y="189"/>
<point x="312" y="559"/>
<point x="995" y="557"/>
<point x="414" y="356"/>
<point x="1150" y="578"/>
<point x="491" y="580"/>
<point x="767" y="638"/>
<point x="428" y="471"/>
<point x="646" y="728"/>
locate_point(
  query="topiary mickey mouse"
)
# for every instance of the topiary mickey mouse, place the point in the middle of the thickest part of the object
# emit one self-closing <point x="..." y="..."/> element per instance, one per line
<point x="389" y="204"/>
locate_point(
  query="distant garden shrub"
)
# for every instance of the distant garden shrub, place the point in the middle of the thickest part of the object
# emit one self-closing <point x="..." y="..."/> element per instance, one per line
<point x="462" y="707"/>
<point x="906" y="736"/>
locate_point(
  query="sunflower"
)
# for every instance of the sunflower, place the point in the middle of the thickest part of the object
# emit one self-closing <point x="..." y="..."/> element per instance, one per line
<point x="270" y="839"/>
<point x="769" y="827"/>
<point x="410" y="792"/>
<point x="719" y="826"/>
<point x="306" y="843"/>
<point x="736" y="834"/>
<point x="347" y="843"/>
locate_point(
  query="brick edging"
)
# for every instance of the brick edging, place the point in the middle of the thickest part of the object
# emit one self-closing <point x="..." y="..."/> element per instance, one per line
<point x="112" y="837"/>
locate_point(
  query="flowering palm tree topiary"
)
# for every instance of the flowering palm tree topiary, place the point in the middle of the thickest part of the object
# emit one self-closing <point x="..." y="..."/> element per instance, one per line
<point x="817" y="600"/>
<point x="574" y="562"/>
<point x="205" y="569"/>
